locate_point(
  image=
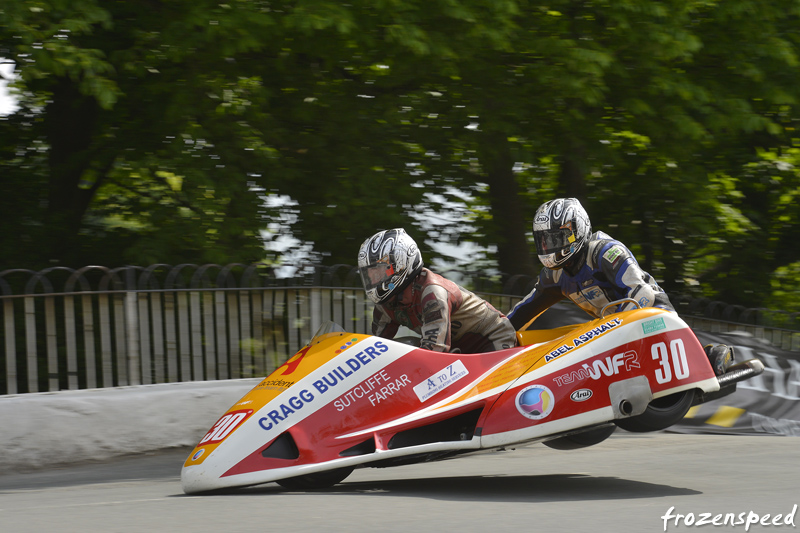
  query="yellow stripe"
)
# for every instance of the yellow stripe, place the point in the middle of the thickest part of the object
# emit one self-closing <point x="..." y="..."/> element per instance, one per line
<point x="725" y="416"/>
<point x="691" y="412"/>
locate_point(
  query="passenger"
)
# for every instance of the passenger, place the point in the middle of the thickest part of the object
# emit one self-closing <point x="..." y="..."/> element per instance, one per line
<point x="591" y="270"/>
<point x="448" y="317"/>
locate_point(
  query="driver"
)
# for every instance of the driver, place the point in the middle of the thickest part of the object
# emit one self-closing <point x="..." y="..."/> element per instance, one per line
<point x="591" y="270"/>
<point x="448" y="317"/>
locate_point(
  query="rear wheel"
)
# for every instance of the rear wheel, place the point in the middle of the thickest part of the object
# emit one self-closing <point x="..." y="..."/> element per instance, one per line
<point x="660" y="413"/>
<point x="317" y="480"/>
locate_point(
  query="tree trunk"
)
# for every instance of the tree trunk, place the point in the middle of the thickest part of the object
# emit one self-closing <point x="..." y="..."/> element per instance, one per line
<point x="510" y="225"/>
<point x="573" y="172"/>
<point x="70" y="125"/>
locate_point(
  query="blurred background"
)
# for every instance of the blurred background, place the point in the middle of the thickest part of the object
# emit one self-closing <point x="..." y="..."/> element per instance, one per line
<point x="284" y="133"/>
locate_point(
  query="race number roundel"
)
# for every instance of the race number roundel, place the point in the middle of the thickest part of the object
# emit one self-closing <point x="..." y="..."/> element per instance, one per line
<point x="225" y="426"/>
<point x="535" y="402"/>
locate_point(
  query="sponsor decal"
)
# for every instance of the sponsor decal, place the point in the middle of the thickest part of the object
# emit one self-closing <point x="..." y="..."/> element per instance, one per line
<point x="350" y="366"/>
<point x="388" y="390"/>
<point x="440" y="380"/>
<point x="558" y="352"/>
<point x="429" y="336"/>
<point x="275" y="384"/>
<point x="199" y="453"/>
<point x="433" y="316"/>
<point x="592" y="293"/>
<point x="612" y="253"/>
<point x="581" y="395"/>
<point x="611" y="365"/>
<point x="429" y="299"/>
<point x="596" y="332"/>
<point x="542" y="219"/>
<point x="535" y="402"/>
<point x="651" y="326"/>
<point x="375" y="388"/>
<point x="338" y="375"/>
<point x="295" y="403"/>
<point x="225" y="426"/>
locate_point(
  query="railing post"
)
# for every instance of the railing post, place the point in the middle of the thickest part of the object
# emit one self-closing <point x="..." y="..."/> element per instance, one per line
<point x="132" y="327"/>
<point x="11" y="347"/>
<point x="30" y="344"/>
<point x="316" y="309"/>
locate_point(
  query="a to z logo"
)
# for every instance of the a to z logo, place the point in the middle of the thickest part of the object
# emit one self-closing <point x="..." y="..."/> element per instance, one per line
<point x="225" y="426"/>
<point x="441" y="380"/>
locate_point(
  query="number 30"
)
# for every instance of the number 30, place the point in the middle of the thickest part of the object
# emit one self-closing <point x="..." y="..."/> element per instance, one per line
<point x="679" y="362"/>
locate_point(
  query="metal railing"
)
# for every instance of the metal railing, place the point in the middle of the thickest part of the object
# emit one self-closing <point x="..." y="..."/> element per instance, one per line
<point x="779" y="328"/>
<point x="99" y="327"/>
<point x="103" y="327"/>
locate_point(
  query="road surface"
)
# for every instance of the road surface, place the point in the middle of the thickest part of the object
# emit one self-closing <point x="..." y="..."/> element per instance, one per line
<point x="625" y="484"/>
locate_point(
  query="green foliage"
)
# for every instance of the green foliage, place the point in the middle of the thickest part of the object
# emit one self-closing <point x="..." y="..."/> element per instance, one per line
<point x="165" y="132"/>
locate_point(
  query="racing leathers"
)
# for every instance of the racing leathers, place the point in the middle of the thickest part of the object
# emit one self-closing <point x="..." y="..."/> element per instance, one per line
<point x="448" y="317"/>
<point x="603" y="271"/>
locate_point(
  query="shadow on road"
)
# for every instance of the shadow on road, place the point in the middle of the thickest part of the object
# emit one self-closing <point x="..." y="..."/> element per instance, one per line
<point x="549" y="488"/>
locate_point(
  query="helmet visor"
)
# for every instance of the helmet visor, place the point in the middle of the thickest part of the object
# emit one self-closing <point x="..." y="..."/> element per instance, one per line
<point x="553" y="240"/>
<point x="376" y="274"/>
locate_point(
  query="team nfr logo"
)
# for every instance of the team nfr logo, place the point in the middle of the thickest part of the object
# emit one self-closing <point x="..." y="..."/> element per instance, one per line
<point x="225" y="426"/>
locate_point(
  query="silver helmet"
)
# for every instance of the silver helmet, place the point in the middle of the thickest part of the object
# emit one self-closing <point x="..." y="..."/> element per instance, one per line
<point x="387" y="262"/>
<point x="560" y="229"/>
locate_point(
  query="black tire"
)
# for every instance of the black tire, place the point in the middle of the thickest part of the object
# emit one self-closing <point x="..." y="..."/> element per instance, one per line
<point x="317" y="480"/>
<point x="660" y="414"/>
<point x="581" y="440"/>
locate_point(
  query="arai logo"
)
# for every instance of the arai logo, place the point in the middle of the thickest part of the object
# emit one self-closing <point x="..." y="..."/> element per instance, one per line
<point x="580" y="395"/>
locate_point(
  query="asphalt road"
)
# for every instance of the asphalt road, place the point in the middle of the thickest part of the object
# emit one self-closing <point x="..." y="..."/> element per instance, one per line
<point x="624" y="484"/>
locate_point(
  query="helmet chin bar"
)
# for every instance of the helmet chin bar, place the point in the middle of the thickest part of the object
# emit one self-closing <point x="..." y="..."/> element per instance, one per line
<point x="558" y="259"/>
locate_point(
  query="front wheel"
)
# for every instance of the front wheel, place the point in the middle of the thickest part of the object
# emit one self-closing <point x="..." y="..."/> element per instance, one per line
<point x="581" y="440"/>
<point x="660" y="413"/>
<point x="317" y="480"/>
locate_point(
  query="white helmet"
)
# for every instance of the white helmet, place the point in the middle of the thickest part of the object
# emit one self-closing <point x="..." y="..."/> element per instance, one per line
<point x="560" y="229"/>
<point x="387" y="262"/>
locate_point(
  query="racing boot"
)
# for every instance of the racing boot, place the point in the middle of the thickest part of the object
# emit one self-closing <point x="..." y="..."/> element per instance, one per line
<point x="720" y="356"/>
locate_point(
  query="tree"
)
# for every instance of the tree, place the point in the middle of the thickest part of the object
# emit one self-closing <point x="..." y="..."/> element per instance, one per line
<point x="163" y="132"/>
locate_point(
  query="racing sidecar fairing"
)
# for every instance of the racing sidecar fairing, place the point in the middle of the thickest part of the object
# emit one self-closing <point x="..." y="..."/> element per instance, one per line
<point x="349" y="400"/>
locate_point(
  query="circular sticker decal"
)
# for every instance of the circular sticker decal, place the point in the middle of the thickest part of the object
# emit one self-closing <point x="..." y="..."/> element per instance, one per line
<point x="535" y="402"/>
<point x="581" y="395"/>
